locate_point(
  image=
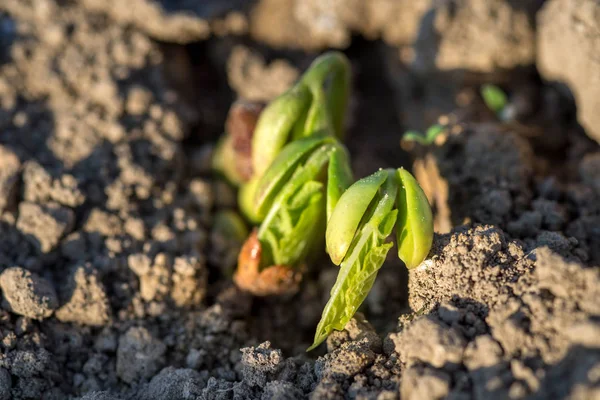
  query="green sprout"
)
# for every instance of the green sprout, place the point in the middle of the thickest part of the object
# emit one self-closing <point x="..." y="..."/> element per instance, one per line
<point x="314" y="107"/>
<point x="302" y="197"/>
<point x="295" y="200"/>
<point x="494" y="97"/>
<point x="357" y="239"/>
<point x="425" y="139"/>
<point x="300" y="169"/>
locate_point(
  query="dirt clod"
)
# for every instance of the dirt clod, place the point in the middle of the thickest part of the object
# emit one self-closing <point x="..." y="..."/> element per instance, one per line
<point x="27" y="294"/>
<point x="44" y="225"/>
<point x="86" y="302"/>
<point x="567" y="37"/>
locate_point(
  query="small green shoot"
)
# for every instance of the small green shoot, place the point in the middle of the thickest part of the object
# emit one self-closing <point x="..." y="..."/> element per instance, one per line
<point x="425" y="139"/>
<point x="494" y="97"/>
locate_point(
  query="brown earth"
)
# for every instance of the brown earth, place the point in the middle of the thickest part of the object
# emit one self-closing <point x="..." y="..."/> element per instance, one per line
<point x="116" y="283"/>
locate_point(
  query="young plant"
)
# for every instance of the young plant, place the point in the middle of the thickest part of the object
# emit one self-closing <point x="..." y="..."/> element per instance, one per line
<point x="301" y="196"/>
<point x="357" y="239"/>
<point x="314" y="107"/>
<point x="300" y="170"/>
<point x="425" y="139"/>
<point x="494" y="98"/>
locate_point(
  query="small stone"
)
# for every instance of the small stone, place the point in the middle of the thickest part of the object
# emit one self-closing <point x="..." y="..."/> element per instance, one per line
<point x="260" y="363"/>
<point x="357" y="329"/>
<point x="27" y="294"/>
<point x="449" y="313"/>
<point x="201" y="192"/>
<point x="138" y="100"/>
<point x="347" y="361"/>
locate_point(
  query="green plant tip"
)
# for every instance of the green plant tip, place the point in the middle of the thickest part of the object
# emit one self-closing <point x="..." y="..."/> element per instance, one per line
<point x="494" y="97"/>
<point x="425" y="139"/>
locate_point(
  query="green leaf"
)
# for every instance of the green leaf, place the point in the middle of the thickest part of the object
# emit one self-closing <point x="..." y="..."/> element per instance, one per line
<point x="427" y="139"/>
<point x="348" y="212"/>
<point x="415" y="136"/>
<point x="361" y="264"/>
<point x="433" y="132"/>
<point x="275" y="124"/>
<point x="282" y="168"/>
<point x="414" y="231"/>
<point x="288" y="237"/>
<point x="494" y="97"/>
<point x="296" y="217"/>
<point x="339" y="177"/>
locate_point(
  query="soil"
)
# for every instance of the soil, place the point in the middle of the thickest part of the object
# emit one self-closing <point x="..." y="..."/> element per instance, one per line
<point x="116" y="283"/>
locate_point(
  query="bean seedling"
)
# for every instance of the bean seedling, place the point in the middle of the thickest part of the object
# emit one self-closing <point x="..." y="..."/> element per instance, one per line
<point x="301" y="194"/>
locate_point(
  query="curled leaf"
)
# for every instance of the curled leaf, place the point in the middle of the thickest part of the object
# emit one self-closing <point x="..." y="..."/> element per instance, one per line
<point x="414" y="231"/>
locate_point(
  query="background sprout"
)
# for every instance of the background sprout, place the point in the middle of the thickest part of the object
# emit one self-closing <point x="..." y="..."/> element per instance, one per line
<point x="425" y="139"/>
<point x="494" y="97"/>
<point x="357" y="235"/>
